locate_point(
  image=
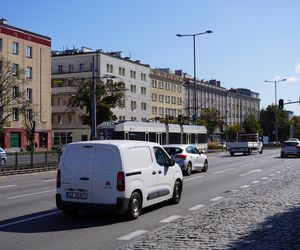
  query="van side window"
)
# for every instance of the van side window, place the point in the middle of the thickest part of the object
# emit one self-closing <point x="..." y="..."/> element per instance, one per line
<point x="161" y="157"/>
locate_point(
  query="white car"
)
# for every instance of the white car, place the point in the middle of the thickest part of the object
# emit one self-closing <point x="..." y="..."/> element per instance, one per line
<point x="3" y="157"/>
<point x="188" y="157"/>
<point x="290" y="147"/>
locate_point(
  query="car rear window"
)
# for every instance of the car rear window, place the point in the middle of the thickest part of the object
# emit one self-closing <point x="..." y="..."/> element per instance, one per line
<point x="173" y="151"/>
<point x="290" y="143"/>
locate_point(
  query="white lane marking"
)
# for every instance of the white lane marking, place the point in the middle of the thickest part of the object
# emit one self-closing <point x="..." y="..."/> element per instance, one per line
<point x="193" y="178"/>
<point x="262" y="161"/>
<point x="271" y="174"/>
<point x="246" y="165"/>
<point x="194" y="208"/>
<point x="8" y="186"/>
<point x="49" y="180"/>
<point x="24" y="195"/>
<point x="225" y="170"/>
<point x="278" y="172"/>
<point x="264" y="178"/>
<point x="287" y="167"/>
<point x="216" y="198"/>
<point x="170" y="219"/>
<point x="235" y="190"/>
<point x="133" y="235"/>
<point x="254" y="182"/>
<point x="251" y="172"/>
<point x="29" y="219"/>
<point x="283" y="169"/>
<point x="245" y="186"/>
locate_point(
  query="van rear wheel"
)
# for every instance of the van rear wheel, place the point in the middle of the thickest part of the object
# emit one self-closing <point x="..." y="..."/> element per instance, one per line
<point x="176" y="193"/>
<point x="135" y="205"/>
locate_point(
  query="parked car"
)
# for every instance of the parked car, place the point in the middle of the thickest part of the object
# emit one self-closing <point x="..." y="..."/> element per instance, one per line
<point x="119" y="176"/>
<point x="3" y="157"/>
<point x="188" y="157"/>
<point x="290" y="147"/>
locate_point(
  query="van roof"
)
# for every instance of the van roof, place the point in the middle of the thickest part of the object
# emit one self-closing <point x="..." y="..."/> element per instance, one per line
<point x="118" y="143"/>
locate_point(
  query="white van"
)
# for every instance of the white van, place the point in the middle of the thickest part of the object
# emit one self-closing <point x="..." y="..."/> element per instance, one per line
<point x="116" y="176"/>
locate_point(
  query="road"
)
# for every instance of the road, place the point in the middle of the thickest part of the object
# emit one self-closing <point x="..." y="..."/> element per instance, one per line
<point x="29" y="219"/>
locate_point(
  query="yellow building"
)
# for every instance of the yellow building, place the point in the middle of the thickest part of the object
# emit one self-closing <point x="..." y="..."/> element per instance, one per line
<point x="30" y="52"/>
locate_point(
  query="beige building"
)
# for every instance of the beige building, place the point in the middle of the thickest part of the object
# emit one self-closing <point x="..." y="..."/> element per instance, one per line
<point x="167" y="94"/>
<point x="30" y="52"/>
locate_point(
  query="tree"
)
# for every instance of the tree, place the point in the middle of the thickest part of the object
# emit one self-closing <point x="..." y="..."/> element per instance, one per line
<point x="12" y="94"/>
<point x="109" y="95"/>
<point x="267" y="123"/>
<point x="251" y="124"/>
<point x="296" y="126"/>
<point x="211" y="119"/>
<point x="232" y="132"/>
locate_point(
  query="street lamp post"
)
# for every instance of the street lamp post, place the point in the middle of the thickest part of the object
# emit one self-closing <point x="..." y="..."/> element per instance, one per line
<point x="276" y="108"/>
<point x="194" y="52"/>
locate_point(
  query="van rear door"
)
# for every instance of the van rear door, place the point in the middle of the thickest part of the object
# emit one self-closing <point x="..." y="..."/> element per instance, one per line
<point x="77" y="173"/>
<point x="107" y="164"/>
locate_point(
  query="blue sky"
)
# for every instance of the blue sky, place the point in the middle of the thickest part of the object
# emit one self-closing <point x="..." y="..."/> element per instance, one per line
<point x="252" y="40"/>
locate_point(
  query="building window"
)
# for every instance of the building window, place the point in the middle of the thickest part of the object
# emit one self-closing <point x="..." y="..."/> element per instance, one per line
<point x="16" y="92"/>
<point x="154" y="110"/>
<point x="15" y="114"/>
<point x="173" y="88"/>
<point x="121" y="118"/>
<point x="161" y="85"/>
<point x="15" y="69"/>
<point x="29" y="114"/>
<point x="179" y="101"/>
<point x="133" y="88"/>
<point x="154" y="97"/>
<point x="133" y="118"/>
<point x="15" y="48"/>
<point x="161" y="98"/>
<point x="179" y="89"/>
<point x="59" y="101"/>
<point x="143" y="90"/>
<point x="59" y="119"/>
<point x="173" y="100"/>
<point x="143" y="76"/>
<point x="29" y="52"/>
<point x="167" y="99"/>
<point x="161" y="111"/>
<point x="143" y="106"/>
<point x="70" y="117"/>
<point x="133" y="105"/>
<point x="60" y="68"/>
<point x="81" y="67"/>
<point x="71" y="67"/>
<point x="132" y="74"/>
<point x="29" y="72"/>
<point x="154" y="83"/>
<point x="1" y="44"/>
<point x="121" y="71"/>
<point x="29" y="94"/>
<point x="167" y="85"/>
<point x="109" y="68"/>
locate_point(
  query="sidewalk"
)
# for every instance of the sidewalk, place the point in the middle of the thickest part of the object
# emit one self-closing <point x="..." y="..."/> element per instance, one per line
<point x="265" y="216"/>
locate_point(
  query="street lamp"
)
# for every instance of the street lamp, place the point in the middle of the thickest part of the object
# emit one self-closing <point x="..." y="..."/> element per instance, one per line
<point x="194" y="47"/>
<point x="276" y="111"/>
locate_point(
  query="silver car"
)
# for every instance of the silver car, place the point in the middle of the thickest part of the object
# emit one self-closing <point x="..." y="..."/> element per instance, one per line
<point x="188" y="157"/>
<point x="290" y="147"/>
<point x="3" y="157"/>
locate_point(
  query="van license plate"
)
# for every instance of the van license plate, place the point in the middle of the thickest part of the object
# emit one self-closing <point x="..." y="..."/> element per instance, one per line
<point x="77" y="195"/>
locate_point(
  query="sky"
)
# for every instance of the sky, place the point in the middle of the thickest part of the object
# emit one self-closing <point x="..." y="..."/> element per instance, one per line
<point x="252" y="40"/>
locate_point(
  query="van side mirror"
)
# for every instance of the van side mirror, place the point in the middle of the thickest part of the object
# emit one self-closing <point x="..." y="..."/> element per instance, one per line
<point x="171" y="162"/>
<point x="201" y="152"/>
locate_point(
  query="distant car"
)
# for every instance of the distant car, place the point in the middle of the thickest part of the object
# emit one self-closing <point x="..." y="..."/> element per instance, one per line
<point x="290" y="147"/>
<point x="3" y="157"/>
<point x="188" y="157"/>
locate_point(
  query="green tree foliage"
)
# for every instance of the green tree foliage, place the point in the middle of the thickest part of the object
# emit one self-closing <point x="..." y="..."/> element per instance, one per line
<point x="109" y="95"/>
<point x="211" y="119"/>
<point x="296" y="126"/>
<point x="232" y="132"/>
<point x="267" y="123"/>
<point x="251" y="124"/>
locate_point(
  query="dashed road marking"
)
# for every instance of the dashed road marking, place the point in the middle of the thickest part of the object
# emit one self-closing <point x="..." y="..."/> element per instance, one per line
<point x="193" y="178"/>
<point x="255" y="182"/>
<point x="264" y="178"/>
<point x="251" y="172"/>
<point x="245" y="186"/>
<point x="278" y="172"/>
<point x="8" y="186"/>
<point x="262" y="161"/>
<point x="133" y="235"/>
<point x="248" y="164"/>
<point x="235" y="190"/>
<point x="225" y="170"/>
<point x="216" y="198"/>
<point x="29" y="219"/>
<point x="271" y="174"/>
<point x="283" y="169"/>
<point x="49" y="180"/>
<point x="170" y="219"/>
<point x="25" y="195"/>
<point x="194" y="208"/>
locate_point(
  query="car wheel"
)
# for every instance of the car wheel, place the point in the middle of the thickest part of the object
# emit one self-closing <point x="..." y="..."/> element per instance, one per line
<point x="176" y="193"/>
<point x="261" y="151"/>
<point x="135" y="206"/>
<point x="205" y="167"/>
<point x="231" y="153"/>
<point x="189" y="168"/>
<point x="282" y="155"/>
<point x="3" y="162"/>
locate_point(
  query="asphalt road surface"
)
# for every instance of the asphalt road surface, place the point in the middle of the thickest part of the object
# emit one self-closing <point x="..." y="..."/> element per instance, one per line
<point x="30" y="220"/>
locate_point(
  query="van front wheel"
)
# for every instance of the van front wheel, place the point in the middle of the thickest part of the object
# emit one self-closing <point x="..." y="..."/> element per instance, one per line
<point x="176" y="193"/>
<point x="135" y="205"/>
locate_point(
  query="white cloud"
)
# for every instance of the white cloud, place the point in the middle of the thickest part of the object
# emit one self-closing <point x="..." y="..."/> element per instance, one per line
<point x="297" y="68"/>
<point x="292" y="79"/>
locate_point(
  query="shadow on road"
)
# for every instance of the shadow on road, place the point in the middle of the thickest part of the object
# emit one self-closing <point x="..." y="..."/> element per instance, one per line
<point x="281" y="231"/>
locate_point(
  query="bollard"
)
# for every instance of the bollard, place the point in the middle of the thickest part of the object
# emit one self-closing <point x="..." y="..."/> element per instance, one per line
<point x="46" y="157"/>
<point x="16" y="160"/>
<point x="31" y="157"/>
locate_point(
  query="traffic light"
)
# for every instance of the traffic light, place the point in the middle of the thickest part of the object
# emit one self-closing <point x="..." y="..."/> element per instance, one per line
<point x="280" y="103"/>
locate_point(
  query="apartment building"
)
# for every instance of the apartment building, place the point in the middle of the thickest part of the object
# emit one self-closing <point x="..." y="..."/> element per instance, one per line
<point x="166" y="94"/>
<point x="69" y="65"/>
<point x="30" y="52"/>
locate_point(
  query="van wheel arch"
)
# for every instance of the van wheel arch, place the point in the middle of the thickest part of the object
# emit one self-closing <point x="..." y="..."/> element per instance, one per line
<point x="135" y="204"/>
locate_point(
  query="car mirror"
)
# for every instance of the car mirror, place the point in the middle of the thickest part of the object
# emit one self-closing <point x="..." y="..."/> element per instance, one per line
<point x="201" y="152"/>
<point x="171" y="162"/>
